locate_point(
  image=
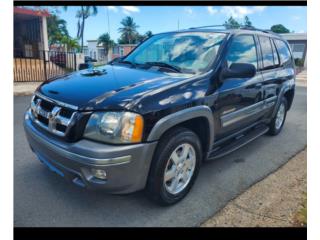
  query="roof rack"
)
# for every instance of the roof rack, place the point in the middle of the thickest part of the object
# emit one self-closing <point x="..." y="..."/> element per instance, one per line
<point x="240" y="27"/>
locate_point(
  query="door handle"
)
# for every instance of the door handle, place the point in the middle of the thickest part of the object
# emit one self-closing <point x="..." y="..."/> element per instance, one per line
<point x="258" y="85"/>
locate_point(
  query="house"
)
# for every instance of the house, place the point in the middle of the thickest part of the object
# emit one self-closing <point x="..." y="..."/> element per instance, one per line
<point x="122" y="50"/>
<point x="298" y="44"/>
<point x="95" y="51"/>
<point x="33" y="61"/>
<point x="30" y="32"/>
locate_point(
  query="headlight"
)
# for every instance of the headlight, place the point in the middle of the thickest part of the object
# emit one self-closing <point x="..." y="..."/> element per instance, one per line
<point x="115" y="127"/>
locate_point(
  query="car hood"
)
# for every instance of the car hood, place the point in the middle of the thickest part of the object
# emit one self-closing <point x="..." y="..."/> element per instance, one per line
<point x="108" y="87"/>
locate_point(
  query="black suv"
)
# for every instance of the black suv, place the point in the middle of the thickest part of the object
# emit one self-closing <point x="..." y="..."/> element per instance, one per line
<point x="150" y="119"/>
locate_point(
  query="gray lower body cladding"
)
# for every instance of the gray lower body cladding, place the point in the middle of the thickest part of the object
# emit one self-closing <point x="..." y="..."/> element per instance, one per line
<point x="126" y="166"/>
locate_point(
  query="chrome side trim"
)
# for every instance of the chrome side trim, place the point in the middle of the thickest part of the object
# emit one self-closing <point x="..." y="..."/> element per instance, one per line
<point x="246" y="112"/>
<point x="56" y="102"/>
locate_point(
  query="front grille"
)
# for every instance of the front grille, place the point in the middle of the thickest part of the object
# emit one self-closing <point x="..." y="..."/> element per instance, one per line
<point x="51" y="116"/>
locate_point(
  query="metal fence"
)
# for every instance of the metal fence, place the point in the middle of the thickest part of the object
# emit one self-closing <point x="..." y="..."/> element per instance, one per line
<point x="38" y="66"/>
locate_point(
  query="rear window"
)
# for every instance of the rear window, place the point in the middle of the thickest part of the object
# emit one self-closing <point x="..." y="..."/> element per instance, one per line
<point x="275" y="54"/>
<point x="284" y="52"/>
<point x="267" y="53"/>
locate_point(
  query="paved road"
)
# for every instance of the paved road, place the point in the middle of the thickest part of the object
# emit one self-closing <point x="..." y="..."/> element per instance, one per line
<point x="42" y="198"/>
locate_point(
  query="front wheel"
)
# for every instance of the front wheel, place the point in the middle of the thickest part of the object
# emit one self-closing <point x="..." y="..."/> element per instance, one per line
<point x="175" y="166"/>
<point x="278" y="120"/>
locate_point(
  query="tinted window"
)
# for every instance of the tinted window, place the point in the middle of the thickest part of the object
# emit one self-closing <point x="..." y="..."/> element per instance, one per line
<point x="267" y="54"/>
<point x="283" y="51"/>
<point x="275" y="54"/>
<point x="242" y="50"/>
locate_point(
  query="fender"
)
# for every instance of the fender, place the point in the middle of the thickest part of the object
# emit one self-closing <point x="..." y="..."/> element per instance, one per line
<point x="285" y="87"/>
<point x="174" y="119"/>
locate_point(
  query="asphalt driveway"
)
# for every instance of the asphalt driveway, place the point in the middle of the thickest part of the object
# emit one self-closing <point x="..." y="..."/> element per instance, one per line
<point x="42" y="198"/>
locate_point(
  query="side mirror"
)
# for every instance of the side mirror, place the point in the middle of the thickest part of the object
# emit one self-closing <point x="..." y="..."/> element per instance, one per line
<point x="238" y="70"/>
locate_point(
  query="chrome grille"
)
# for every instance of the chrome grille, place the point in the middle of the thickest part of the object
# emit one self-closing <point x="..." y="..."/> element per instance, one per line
<point x="50" y="116"/>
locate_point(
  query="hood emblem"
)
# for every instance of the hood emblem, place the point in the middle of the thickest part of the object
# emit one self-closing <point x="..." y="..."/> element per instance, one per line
<point x="94" y="72"/>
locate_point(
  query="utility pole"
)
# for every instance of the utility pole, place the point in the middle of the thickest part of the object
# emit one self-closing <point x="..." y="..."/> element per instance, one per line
<point x="108" y="31"/>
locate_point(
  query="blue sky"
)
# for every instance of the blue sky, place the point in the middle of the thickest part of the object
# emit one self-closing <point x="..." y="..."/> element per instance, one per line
<point x="162" y="18"/>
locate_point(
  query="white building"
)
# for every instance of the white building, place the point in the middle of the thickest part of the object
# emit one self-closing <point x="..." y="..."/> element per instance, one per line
<point x="95" y="51"/>
<point x="298" y="44"/>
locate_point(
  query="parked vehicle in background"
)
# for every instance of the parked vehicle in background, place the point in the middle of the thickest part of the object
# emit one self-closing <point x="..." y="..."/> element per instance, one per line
<point x="58" y="58"/>
<point x="88" y="59"/>
<point x="150" y="119"/>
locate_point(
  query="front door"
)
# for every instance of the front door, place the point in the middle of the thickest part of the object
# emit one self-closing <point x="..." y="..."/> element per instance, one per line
<point x="239" y="99"/>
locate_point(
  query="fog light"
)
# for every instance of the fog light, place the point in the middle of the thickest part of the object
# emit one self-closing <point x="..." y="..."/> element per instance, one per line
<point x="99" y="173"/>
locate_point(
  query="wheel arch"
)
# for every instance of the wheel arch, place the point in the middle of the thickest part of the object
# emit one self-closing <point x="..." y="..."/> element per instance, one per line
<point x="198" y="119"/>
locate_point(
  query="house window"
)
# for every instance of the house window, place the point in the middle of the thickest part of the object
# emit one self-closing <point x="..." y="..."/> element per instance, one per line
<point x="28" y="50"/>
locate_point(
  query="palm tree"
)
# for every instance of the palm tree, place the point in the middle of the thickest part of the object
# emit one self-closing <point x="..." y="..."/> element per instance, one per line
<point x="57" y="29"/>
<point x="106" y="41"/>
<point x="71" y="44"/>
<point x="82" y="14"/>
<point x="128" y="31"/>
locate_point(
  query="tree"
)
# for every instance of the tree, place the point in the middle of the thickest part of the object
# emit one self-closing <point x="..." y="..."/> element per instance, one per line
<point x="128" y="31"/>
<point x="247" y="22"/>
<point x="106" y="41"/>
<point x="57" y="29"/>
<point x="70" y="43"/>
<point x="82" y="14"/>
<point x="231" y="23"/>
<point x="279" y="28"/>
<point x="139" y="38"/>
<point x="148" y="34"/>
<point x="58" y="33"/>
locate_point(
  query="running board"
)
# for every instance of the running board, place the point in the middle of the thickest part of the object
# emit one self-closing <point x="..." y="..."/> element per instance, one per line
<point x="237" y="142"/>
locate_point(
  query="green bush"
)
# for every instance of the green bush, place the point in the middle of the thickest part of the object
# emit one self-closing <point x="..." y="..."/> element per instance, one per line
<point x="298" y="62"/>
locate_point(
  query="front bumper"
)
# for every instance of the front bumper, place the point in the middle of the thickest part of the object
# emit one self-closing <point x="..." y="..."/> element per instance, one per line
<point x="126" y="166"/>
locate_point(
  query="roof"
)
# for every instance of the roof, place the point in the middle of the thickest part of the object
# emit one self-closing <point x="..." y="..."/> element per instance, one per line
<point x="32" y="12"/>
<point x="294" y="36"/>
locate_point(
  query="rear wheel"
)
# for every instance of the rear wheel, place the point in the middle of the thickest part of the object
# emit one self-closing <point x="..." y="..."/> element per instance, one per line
<point x="175" y="166"/>
<point x="279" y="118"/>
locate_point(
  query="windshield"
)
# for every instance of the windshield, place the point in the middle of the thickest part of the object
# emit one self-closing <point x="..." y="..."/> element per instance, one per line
<point x="190" y="52"/>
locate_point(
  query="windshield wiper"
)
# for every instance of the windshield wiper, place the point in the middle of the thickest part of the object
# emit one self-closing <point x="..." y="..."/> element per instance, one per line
<point x="165" y="65"/>
<point x="128" y="62"/>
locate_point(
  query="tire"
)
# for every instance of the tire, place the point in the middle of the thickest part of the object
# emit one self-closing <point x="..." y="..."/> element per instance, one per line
<point x="170" y="148"/>
<point x="275" y="128"/>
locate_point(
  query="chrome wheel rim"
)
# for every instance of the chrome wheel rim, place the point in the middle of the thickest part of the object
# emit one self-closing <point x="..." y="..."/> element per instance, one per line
<point x="280" y="116"/>
<point x="179" y="169"/>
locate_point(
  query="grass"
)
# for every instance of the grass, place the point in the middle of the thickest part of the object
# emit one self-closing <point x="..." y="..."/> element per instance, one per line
<point x="301" y="216"/>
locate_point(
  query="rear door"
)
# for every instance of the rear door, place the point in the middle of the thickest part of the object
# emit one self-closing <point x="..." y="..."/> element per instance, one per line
<point x="239" y="99"/>
<point x="275" y="69"/>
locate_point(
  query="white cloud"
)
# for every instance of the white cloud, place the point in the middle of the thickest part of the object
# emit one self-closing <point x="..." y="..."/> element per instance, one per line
<point x="296" y="18"/>
<point x="130" y="9"/>
<point x="212" y="10"/>
<point x="113" y="8"/>
<point x="188" y="10"/>
<point x="240" y="12"/>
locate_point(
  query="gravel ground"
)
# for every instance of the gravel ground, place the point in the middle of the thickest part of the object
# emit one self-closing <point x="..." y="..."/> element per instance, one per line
<point x="272" y="202"/>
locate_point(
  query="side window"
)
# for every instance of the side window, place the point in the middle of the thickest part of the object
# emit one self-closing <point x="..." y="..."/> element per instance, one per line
<point x="242" y="50"/>
<point x="284" y="53"/>
<point x="275" y="54"/>
<point x="267" y="54"/>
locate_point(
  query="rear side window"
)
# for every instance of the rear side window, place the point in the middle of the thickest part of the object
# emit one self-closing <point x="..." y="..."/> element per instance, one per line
<point x="283" y="50"/>
<point x="242" y="50"/>
<point x="267" y="53"/>
<point x="275" y="54"/>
